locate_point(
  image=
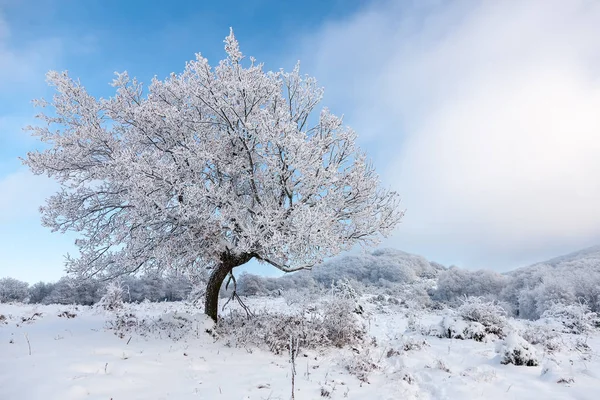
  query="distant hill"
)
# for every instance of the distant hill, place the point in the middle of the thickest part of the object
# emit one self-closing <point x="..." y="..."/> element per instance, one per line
<point x="585" y="259"/>
<point x="589" y="255"/>
<point x="387" y="264"/>
<point x="570" y="279"/>
<point x="379" y="268"/>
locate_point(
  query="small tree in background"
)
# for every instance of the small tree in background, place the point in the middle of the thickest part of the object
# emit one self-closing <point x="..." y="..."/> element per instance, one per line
<point x="113" y="297"/>
<point x="13" y="290"/>
<point x="209" y="168"/>
<point x="39" y="292"/>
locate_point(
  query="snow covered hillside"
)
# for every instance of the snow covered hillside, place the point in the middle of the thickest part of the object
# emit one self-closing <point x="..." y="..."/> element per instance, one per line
<point x="382" y="268"/>
<point x="392" y="350"/>
<point x="569" y="279"/>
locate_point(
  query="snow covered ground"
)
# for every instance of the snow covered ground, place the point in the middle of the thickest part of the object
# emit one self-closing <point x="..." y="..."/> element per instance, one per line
<point x="69" y="353"/>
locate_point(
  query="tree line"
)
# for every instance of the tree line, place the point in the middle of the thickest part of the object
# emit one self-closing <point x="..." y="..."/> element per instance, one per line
<point x="525" y="293"/>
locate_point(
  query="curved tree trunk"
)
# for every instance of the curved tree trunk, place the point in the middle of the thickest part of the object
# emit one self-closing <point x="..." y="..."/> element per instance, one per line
<point x="218" y="275"/>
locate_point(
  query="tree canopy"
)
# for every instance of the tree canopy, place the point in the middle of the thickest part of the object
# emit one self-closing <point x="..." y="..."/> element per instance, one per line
<point x="208" y="168"/>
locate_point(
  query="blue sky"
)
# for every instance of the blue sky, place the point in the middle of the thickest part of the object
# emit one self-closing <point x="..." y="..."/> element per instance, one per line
<point x="483" y="115"/>
<point x="93" y="39"/>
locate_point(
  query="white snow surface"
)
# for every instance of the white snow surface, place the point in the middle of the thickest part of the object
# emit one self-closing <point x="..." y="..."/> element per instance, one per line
<point x="80" y="358"/>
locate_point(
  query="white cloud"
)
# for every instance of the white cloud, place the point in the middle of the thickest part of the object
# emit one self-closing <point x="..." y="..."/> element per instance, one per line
<point x="484" y="115"/>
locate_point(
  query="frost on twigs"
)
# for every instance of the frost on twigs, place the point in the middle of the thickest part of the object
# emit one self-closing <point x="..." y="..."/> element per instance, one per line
<point x="361" y="365"/>
<point x="573" y="318"/>
<point x="172" y="325"/>
<point x="475" y="319"/>
<point x="333" y="325"/>
<point x="542" y="334"/>
<point x="342" y="288"/>
<point x="225" y="162"/>
<point x="489" y="315"/>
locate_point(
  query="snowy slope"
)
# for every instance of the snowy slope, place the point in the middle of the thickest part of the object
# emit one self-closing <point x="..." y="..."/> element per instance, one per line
<point x="586" y="258"/>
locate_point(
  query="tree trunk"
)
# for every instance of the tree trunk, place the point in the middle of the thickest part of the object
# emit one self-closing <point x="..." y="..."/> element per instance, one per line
<point x="218" y="275"/>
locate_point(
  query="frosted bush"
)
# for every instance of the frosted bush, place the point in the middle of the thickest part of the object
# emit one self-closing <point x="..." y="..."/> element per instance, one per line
<point x="172" y="325"/>
<point x="269" y="330"/>
<point x="293" y="297"/>
<point x="336" y="325"/>
<point x="455" y="326"/>
<point x="574" y="318"/>
<point x="516" y="350"/>
<point x="341" y="321"/>
<point x="544" y="335"/>
<point x="123" y="323"/>
<point x="113" y="298"/>
<point x="342" y="288"/>
<point x="489" y="314"/>
<point x="410" y="343"/>
<point x="360" y="365"/>
<point x="13" y="290"/>
<point x="439" y="330"/>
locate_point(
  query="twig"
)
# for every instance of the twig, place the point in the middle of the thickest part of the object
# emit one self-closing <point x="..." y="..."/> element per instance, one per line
<point x="307" y="372"/>
<point x="235" y="296"/>
<point x="294" y="344"/>
<point x="28" y="344"/>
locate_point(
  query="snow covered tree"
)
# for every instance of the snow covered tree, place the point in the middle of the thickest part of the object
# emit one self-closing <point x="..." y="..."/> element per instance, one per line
<point x="74" y="291"/>
<point x="13" y="290"/>
<point x="455" y="283"/>
<point x="38" y="292"/>
<point x="113" y="296"/>
<point x="209" y="168"/>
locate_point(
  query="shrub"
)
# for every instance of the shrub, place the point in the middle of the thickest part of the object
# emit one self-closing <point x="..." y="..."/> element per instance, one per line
<point x="488" y="314"/>
<point x="360" y="365"/>
<point x="475" y="319"/>
<point x="341" y="322"/>
<point x="173" y="325"/>
<point x="453" y="328"/>
<point x="13" y="290"/>
<point x="574" y="318"/>
<point x="410" y="343"/>
<point x="113" y="298"/>
<point x="544" y="335"/>
<point x="516" y="350"/>
<point x="270" y="330"/>
<point x="336" y="325"/>
<point x="342" y="288"/>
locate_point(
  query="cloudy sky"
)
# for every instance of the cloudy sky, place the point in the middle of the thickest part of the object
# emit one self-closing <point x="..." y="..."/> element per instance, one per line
<point x="484" y="115"/>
